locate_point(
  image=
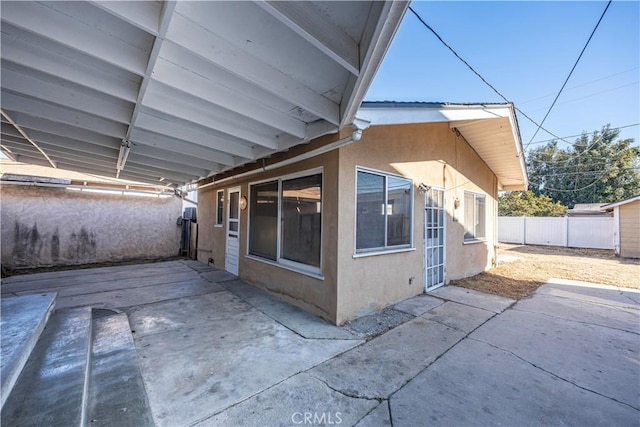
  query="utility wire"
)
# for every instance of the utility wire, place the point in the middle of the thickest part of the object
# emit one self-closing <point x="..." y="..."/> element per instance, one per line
<point x="580" y="134"/>
<point x="581" y="85"/>
<point x="586" y="172"/>
<point x="568" y="101"/>
<point x="427" y="26"/>
<point x="570" y="73"/>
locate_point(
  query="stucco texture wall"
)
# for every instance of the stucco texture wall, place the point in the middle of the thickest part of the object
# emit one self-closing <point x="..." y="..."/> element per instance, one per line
<point x="316" y="295"/>
<point x="630" y="230"/>
<point x="44" y="226"/>
<point x="426" y="153"/>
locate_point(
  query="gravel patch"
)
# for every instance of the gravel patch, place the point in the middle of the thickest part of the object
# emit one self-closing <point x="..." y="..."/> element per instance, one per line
<point x="368" y="327"/>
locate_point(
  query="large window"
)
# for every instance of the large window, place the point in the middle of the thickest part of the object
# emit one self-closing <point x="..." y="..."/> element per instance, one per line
<point x="285" y="221"/>
<point x="219" y="207"/>
<point x="474" y="216"/>
<point x="384" y="214"/>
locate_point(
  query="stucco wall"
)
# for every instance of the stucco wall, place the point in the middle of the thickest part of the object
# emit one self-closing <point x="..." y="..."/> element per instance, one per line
<point x="427" y="153"/>
<point x="310" y="293"/>
<point x="44" y="226"/>
<point x="630" y="230"/>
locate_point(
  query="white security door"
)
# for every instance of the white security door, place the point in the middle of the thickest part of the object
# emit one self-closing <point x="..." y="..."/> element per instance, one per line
<point x="434" y="239"/>
<point x="232" y="251"/>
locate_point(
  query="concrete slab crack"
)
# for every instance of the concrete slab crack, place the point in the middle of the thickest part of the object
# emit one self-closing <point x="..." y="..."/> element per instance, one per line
<point x="555" y="375"/>
<point x="353" y="396"/>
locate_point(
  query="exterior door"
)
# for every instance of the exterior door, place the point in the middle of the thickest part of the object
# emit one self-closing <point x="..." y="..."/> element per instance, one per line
<point x="232" y="251"/>
<point x="434" y="239"/>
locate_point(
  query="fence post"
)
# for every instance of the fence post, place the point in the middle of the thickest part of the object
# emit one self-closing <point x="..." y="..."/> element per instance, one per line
<point x="566" y="231"/>
<point x="524" y="230"/>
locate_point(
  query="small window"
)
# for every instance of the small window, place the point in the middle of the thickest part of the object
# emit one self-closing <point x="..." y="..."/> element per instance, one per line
<point x="474" y="216"/>
<point x="384" y="213"/>
<point x="219" y="207"/>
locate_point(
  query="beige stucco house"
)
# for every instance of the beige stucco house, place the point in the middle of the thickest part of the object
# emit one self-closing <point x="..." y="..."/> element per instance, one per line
<point x="626" y="226"/>
<point x="354" y="221"/>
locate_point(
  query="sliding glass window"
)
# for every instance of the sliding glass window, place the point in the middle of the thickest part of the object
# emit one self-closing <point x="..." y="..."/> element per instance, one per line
<point x="285" y="221"/>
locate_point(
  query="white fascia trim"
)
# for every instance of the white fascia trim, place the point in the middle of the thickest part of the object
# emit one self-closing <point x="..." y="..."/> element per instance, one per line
<point x="358" y="126"/>
<point x="622" y="202"/>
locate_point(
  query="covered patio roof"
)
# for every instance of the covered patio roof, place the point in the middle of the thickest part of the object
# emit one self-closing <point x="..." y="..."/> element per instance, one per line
<point x="172" y="91"/>
<point x="491" y="130"/>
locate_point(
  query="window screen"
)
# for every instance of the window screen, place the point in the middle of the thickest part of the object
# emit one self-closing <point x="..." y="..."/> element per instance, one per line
<point x="263" y="220"/>
<point x="384" y="215"/>
<point x="301" y="219"/>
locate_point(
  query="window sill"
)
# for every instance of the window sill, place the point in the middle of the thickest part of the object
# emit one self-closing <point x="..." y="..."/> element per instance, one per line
<point x="474" y="241"/>
<point x="218" y="225"/>
<point x="383" y="252"/>
<point x="318" y="276"/>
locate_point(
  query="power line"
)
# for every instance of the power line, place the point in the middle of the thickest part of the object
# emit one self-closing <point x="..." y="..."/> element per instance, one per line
<point x="580" y="134"/>
<point x="570" y="73"/>
<point x="427" y="26"/>
<point x="581" y="85"/>
<point x="593" y="94"/>
<point x="562" y="190"/>
<point x="587" y="172"/>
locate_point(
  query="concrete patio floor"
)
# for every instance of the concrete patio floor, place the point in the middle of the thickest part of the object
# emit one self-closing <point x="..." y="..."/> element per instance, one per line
<point x="215" y="351"/>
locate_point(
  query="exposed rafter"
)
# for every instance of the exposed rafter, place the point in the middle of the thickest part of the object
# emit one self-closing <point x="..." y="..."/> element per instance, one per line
<point x="165" y="17"/>
<point x="302" y="17"/>
<point x="173" y="90"/>
<point x="10" y="120"/>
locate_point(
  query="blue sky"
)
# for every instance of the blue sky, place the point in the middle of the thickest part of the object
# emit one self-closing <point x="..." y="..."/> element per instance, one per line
<point x="526" y="50"/>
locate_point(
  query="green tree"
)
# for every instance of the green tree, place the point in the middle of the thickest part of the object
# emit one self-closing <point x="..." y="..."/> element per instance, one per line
<point x="526" y="203"/>
<point x="597" y="169"/>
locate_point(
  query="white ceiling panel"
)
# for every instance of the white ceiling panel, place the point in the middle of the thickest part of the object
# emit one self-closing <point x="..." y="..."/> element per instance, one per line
<point x="176" y="91"/>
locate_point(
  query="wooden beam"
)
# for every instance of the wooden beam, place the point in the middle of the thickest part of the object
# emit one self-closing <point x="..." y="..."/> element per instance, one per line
<point x="219" y="52"/>
<point x="197" y="111"/>
<point x="40" y="54"/>
<point x="167" y="143"/>
<point x="60" y="114"/>
<point x="22" y="132"/>
<point x="41" y="19"/>
<point x="304" y="20"/>
<point x="203" y="86"/>
<point x="185" y="132"/>
<point x="66" y="94"/>
<point x="165" y="17"/>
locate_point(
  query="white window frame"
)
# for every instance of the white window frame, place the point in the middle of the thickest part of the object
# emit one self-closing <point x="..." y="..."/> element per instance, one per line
<point x="359" y="253"/>
<point x="219" y="223"/>
<point x="475" y="239"/>
<point x="298" y="267"/>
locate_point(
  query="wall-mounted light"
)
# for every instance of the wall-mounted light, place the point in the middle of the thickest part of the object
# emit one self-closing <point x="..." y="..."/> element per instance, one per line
<point x="456" y="203"/>
<point x="423" y="188"/>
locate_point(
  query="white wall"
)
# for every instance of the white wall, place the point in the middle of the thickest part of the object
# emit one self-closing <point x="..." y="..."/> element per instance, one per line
<point x="44" y="226"/>
<point x="580" y="232"/>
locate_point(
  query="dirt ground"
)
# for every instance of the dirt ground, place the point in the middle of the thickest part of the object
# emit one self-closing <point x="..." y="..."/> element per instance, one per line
<point x="522" y="269"/>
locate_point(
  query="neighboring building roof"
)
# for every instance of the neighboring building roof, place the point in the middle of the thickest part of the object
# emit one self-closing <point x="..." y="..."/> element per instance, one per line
<point x="587" y="209"/>
<point x="490" y="128"/>
<point x="11" y="171"/>
<point x="622" y="202"/>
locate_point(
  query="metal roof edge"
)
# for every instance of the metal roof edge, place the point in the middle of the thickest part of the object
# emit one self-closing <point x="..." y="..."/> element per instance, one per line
<point x="622" y="202"/>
